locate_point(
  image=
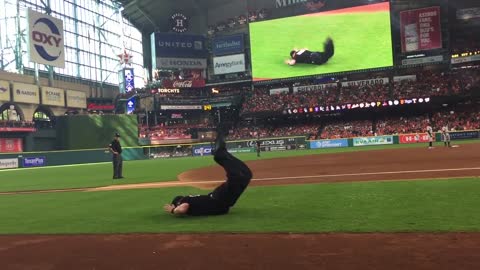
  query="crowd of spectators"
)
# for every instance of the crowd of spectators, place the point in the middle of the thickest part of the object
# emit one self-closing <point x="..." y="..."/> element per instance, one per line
<point x="457" y="120"/>
<point x="169" y="132"/>
<point x="364" y="93"/>
<point x="308" y="130"/>
<point x="401" y="125"/>
<point x="347" y="129"/>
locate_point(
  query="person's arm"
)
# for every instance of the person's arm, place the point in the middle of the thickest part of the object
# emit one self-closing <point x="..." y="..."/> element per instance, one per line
<point x="182" y="209"/>
<point x="290" y="62"/>
<point x="111" y="149"/>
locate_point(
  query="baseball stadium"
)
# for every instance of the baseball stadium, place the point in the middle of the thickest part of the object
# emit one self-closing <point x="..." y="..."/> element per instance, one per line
<point x="139" y="134"/>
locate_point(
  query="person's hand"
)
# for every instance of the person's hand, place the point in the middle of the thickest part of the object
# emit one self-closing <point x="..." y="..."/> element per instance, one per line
<point x="290" y="62"/>
<point x="168" y="208"/>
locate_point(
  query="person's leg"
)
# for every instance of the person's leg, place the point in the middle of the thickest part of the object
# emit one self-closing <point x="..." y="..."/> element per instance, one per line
<point x="120" y="166"/>
<point x="115" y="166"/>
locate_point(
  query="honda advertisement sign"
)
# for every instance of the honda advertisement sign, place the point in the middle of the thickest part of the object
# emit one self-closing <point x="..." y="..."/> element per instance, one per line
<point x="181" y="63"/>
<point x="228" y="45"/>
<point x="178" y="45"/>
<point x="229" y="64"/>
<point x="420" y="29"/>
<point x="45" y="39"/>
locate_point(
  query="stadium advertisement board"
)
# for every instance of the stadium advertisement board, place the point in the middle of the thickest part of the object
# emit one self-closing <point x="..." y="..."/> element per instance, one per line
<point x="367" y="82"/>
<point x="202" y="150"/>
<point x="8" y="163"/>
<point x="420" y="29"/>
<point x="28" y="162"/>
<point x="76" y="99"/>
<point x="178" y="45"/>
<point x="379" y="140"/>
<point x="45" y="39"/>
<point x="462" y="135"/>
<point x="224" y="45"/>
<point x="11" y="145"/>
<point x="26" y="93"/>
<point x="53" y="96"/>
<point x="316" y="87"/>
<point x="413" y="138"/>
<point x="4" y="91"/>
<point x="241" y="150"/>
<point x="354" y="48"/>
<point x="329" y="144"/>
<point x="278" y="144"/>
<point x="180" y="63"/>
<point x="229" y="64"/>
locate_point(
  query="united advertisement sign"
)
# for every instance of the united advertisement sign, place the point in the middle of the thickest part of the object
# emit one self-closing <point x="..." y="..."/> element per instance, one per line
<point x="45" y="39"/>
<point x="178" y="45"/>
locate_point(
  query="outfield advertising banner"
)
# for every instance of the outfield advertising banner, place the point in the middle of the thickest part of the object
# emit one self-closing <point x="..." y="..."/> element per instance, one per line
<point x="178" y="45"/>
<point x="367" y="82"/>
<point x="224" y="45"/>
<point x="229" y="64"/>
<point x="76" y="99"/>
<point x="462" y="135"/>
<point x="53" y="96"/>
<point x="4" y="91"/>
<point x="8" y="163"/>
<point x="241" y="150"/>
<point x="203" y="150"/>
<point x="329" y="144"/>
<point x="413" y="138"/>
<point x="11" y="145"/>
<point x="26" y="93"/>
<point x="420" y="29"/>
<point x="29" y="162"/>
<point x="380" y="140"/>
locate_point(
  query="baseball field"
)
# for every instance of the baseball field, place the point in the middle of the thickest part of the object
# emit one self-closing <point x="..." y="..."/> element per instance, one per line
<point x="361" y="35"/>
<point x="392" y="207"/>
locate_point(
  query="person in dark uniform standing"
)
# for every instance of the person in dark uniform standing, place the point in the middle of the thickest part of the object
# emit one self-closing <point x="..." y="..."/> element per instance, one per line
<point x="258" y="147"/>
<point x="222" y="198"/>
<point x="116" y="150"/>
<point x="304" y="56"/>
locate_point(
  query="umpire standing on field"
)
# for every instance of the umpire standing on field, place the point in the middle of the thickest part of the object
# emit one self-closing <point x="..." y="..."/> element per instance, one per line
<point x="117" y="160"/>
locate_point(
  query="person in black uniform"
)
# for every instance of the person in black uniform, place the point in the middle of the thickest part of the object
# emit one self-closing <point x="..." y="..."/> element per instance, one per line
<point x="258" y="147"/>
<point x="116" y="150"/>
<point x="222" y="198"/>
<point x="305" y="56"/>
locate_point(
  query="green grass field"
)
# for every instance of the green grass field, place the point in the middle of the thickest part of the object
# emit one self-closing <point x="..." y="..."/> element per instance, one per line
<point x="429" y="206"/>
<point x="362" y="41"/>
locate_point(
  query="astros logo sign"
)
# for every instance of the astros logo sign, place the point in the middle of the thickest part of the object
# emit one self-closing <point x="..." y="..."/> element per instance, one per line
<point x="46" y="39"/>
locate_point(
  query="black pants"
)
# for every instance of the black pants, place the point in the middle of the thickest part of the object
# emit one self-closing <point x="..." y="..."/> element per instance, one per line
<point x="238" y="178"/>
<point x="117" y="166"/>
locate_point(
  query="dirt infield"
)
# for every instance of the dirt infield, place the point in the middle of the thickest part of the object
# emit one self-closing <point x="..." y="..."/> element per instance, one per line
<point x="274" y="251"/>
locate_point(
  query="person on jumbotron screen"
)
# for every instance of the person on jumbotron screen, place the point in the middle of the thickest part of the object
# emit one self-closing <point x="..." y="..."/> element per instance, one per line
<point x="222" y="198"/>
<point x="304" y="56"/>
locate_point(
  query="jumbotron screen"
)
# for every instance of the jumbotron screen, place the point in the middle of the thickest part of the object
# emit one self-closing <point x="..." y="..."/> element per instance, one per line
<point x="341" y="40"/>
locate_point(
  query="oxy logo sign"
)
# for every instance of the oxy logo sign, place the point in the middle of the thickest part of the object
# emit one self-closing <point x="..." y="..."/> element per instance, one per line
<point x="46" y="39"/>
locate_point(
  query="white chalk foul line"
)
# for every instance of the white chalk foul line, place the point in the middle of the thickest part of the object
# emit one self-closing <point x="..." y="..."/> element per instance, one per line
<point x="171" y="184"/>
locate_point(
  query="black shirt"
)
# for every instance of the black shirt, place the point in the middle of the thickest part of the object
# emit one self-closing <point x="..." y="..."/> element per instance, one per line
<point x="202" y="205"/>
<point x="115" y="145"/>
<point x="303" y="56"/>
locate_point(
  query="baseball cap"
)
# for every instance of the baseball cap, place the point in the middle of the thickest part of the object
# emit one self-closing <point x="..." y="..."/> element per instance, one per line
<point x="117" y="135"/>
<point x="177" y="200"/>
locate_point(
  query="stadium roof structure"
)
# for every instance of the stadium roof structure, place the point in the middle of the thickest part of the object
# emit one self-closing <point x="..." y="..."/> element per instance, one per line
<point x="153" y="15"/>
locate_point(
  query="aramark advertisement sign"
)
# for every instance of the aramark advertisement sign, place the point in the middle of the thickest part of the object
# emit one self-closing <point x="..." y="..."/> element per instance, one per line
<point x="45" y="39"/>
<point x="229" y="64"/>
<point x="329" y="144"/>
<point x="178" y="45"/>
<point x="29" y="162"/>
<point x="224" y="45"/>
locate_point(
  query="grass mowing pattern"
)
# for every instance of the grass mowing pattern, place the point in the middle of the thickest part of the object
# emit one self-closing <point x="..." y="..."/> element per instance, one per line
<point x="429" y="206"/>
<point x="362" y="41"/>
<point x="144" y="171"/>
